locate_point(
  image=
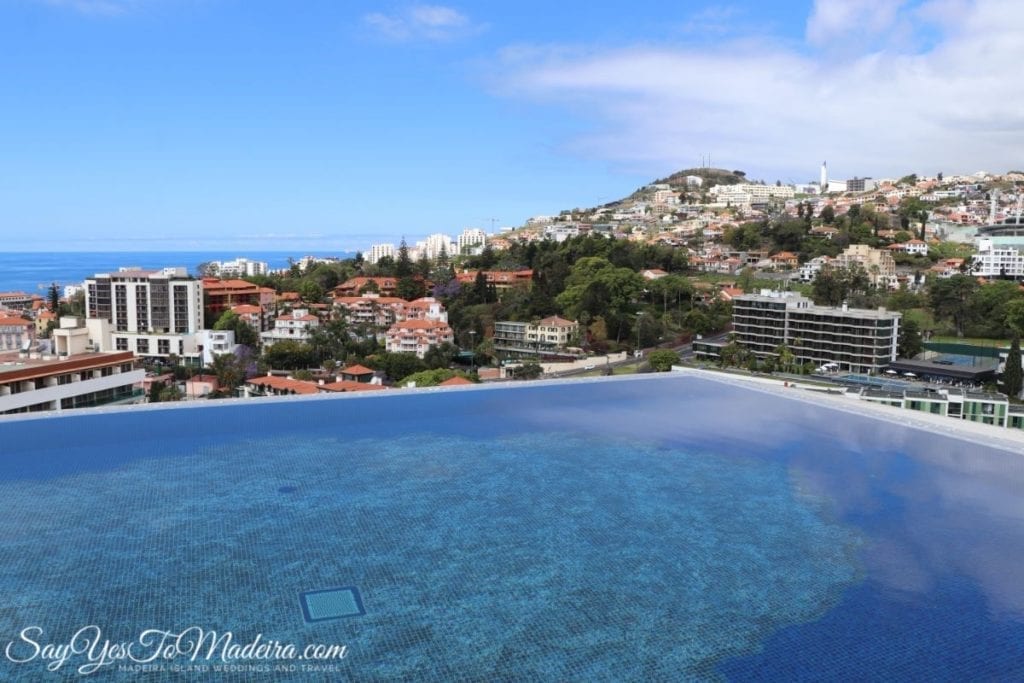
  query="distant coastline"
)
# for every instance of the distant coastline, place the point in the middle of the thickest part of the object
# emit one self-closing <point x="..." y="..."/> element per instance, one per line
<point x="32" y="272"/>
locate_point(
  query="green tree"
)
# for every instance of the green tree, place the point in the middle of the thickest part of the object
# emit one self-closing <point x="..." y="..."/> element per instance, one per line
<point x="409" y="288"/>
<point x="1015" y="316"/>
<point x="833" y="286"/>
<point x="828" y="215"/>
<point x="1013" y="377"/>
<point x="311" y="292"/>
<point x="403" y="266"/>
<point x="662" y="360"/>
<point x="170" y="393"/>
<point x="909" y="343"/>
<point x="528" y="370"/>
<point x="230" y="370"/>
<point x="53" y="298"/>
<point x="440" y="356"/>
<point x="289" y="355"/>
<point x="396" y="365"/>
<point x="155" y="388"/>
<point x="244" y="334"/>
<point x="784" y="358"/>
<point x="596" y="286"/>
<point x="951" y="298"/>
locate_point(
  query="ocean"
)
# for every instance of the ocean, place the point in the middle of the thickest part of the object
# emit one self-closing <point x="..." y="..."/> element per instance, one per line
<point x="33" y="272"/>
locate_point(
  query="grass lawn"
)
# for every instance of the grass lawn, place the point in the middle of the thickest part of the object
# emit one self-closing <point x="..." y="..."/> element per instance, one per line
<point x="974" y="341"/>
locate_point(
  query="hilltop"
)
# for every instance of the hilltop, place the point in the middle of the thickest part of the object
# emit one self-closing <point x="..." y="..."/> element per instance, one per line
<point x="711" y="176"/>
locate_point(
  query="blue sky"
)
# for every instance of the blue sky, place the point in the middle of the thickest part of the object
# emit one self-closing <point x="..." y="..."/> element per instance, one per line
<point x="320" y="125"/>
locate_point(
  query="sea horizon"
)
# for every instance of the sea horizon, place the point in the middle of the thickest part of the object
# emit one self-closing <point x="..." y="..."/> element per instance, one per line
<point x="33" y="271"/>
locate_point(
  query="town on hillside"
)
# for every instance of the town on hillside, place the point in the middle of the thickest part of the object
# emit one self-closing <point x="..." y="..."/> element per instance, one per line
<point x="903" y="291"/>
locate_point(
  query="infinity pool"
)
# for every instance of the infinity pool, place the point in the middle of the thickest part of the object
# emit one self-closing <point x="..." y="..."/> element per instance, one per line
<point x="657" y="529"/>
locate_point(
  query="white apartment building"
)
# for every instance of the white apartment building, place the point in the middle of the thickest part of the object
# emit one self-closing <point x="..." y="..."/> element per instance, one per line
<point x="877" y="263"/>
<point x="994" y="261"/>
<point x="213" y="343"/>
<point x="856" y="340"/>
<point x="294" y="326"/>
<point x="914" y="247"/>
<point x="745" y="193"/>
<point x="240" y="267"/>
<point x="154" y="313"/>
<point x="471" y="239"/>
<point x="307" y="262"/>
<point x="379" y="251"/>
<point x="809" y="270"/>
<point x="418" y="336"/>
<point x="432" y="247"/>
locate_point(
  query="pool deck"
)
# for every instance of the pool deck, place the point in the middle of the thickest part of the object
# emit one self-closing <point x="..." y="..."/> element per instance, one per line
<point x="965" y="430"/>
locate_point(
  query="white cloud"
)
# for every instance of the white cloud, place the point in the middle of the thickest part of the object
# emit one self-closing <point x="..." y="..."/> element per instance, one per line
<point x="779" y="110"/>
<point x="842" y="20"/>
<point x="423" y="22"/>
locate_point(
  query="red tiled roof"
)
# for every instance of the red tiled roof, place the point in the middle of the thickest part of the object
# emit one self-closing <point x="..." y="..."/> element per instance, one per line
<point x="420" y="325"/>
<point x="357" y="370"/>
<point x="215" y="284"/>
<point x="348" y="385"/>
<point x="285" y="383"/>
<point x="79" y="362"/>
<point x="246" y="309"/>
<point x="555" y="321"/>
<point x="8" y="322"/>
<point x="455" y="382"/>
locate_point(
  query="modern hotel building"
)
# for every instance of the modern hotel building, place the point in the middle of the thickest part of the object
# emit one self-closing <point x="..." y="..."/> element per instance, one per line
<point x="856" y="340"/>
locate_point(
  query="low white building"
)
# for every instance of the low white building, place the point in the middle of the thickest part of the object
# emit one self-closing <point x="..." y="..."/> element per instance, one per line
<point x="294" y="326"/>
<point x="809" y="270"/>
<point x="993" y="261"/>
<point x="240" y="267"/>
<point x="544" y="336"/>
<point x="914" y="247"/>
<point x="213" y="343"/>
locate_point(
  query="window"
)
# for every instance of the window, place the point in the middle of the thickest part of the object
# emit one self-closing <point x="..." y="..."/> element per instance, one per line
<point x="142" y="345"/>
<point x="163" y="346"/>
<point x="121" y="343"/>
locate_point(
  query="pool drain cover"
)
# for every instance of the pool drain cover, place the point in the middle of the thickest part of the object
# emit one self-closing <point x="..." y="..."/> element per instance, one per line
<point x="331" y="603"/>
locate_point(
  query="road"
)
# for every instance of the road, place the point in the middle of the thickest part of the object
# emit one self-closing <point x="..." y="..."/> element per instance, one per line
<point x="596" y="363"/>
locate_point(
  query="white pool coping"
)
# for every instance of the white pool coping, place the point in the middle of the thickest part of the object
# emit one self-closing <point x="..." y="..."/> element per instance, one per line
<point x="964" y="430"/>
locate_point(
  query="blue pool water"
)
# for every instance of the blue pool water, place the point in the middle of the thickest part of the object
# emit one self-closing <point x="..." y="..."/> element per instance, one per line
<point x="876" y="382"/>
<point x="655" y="529"/>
